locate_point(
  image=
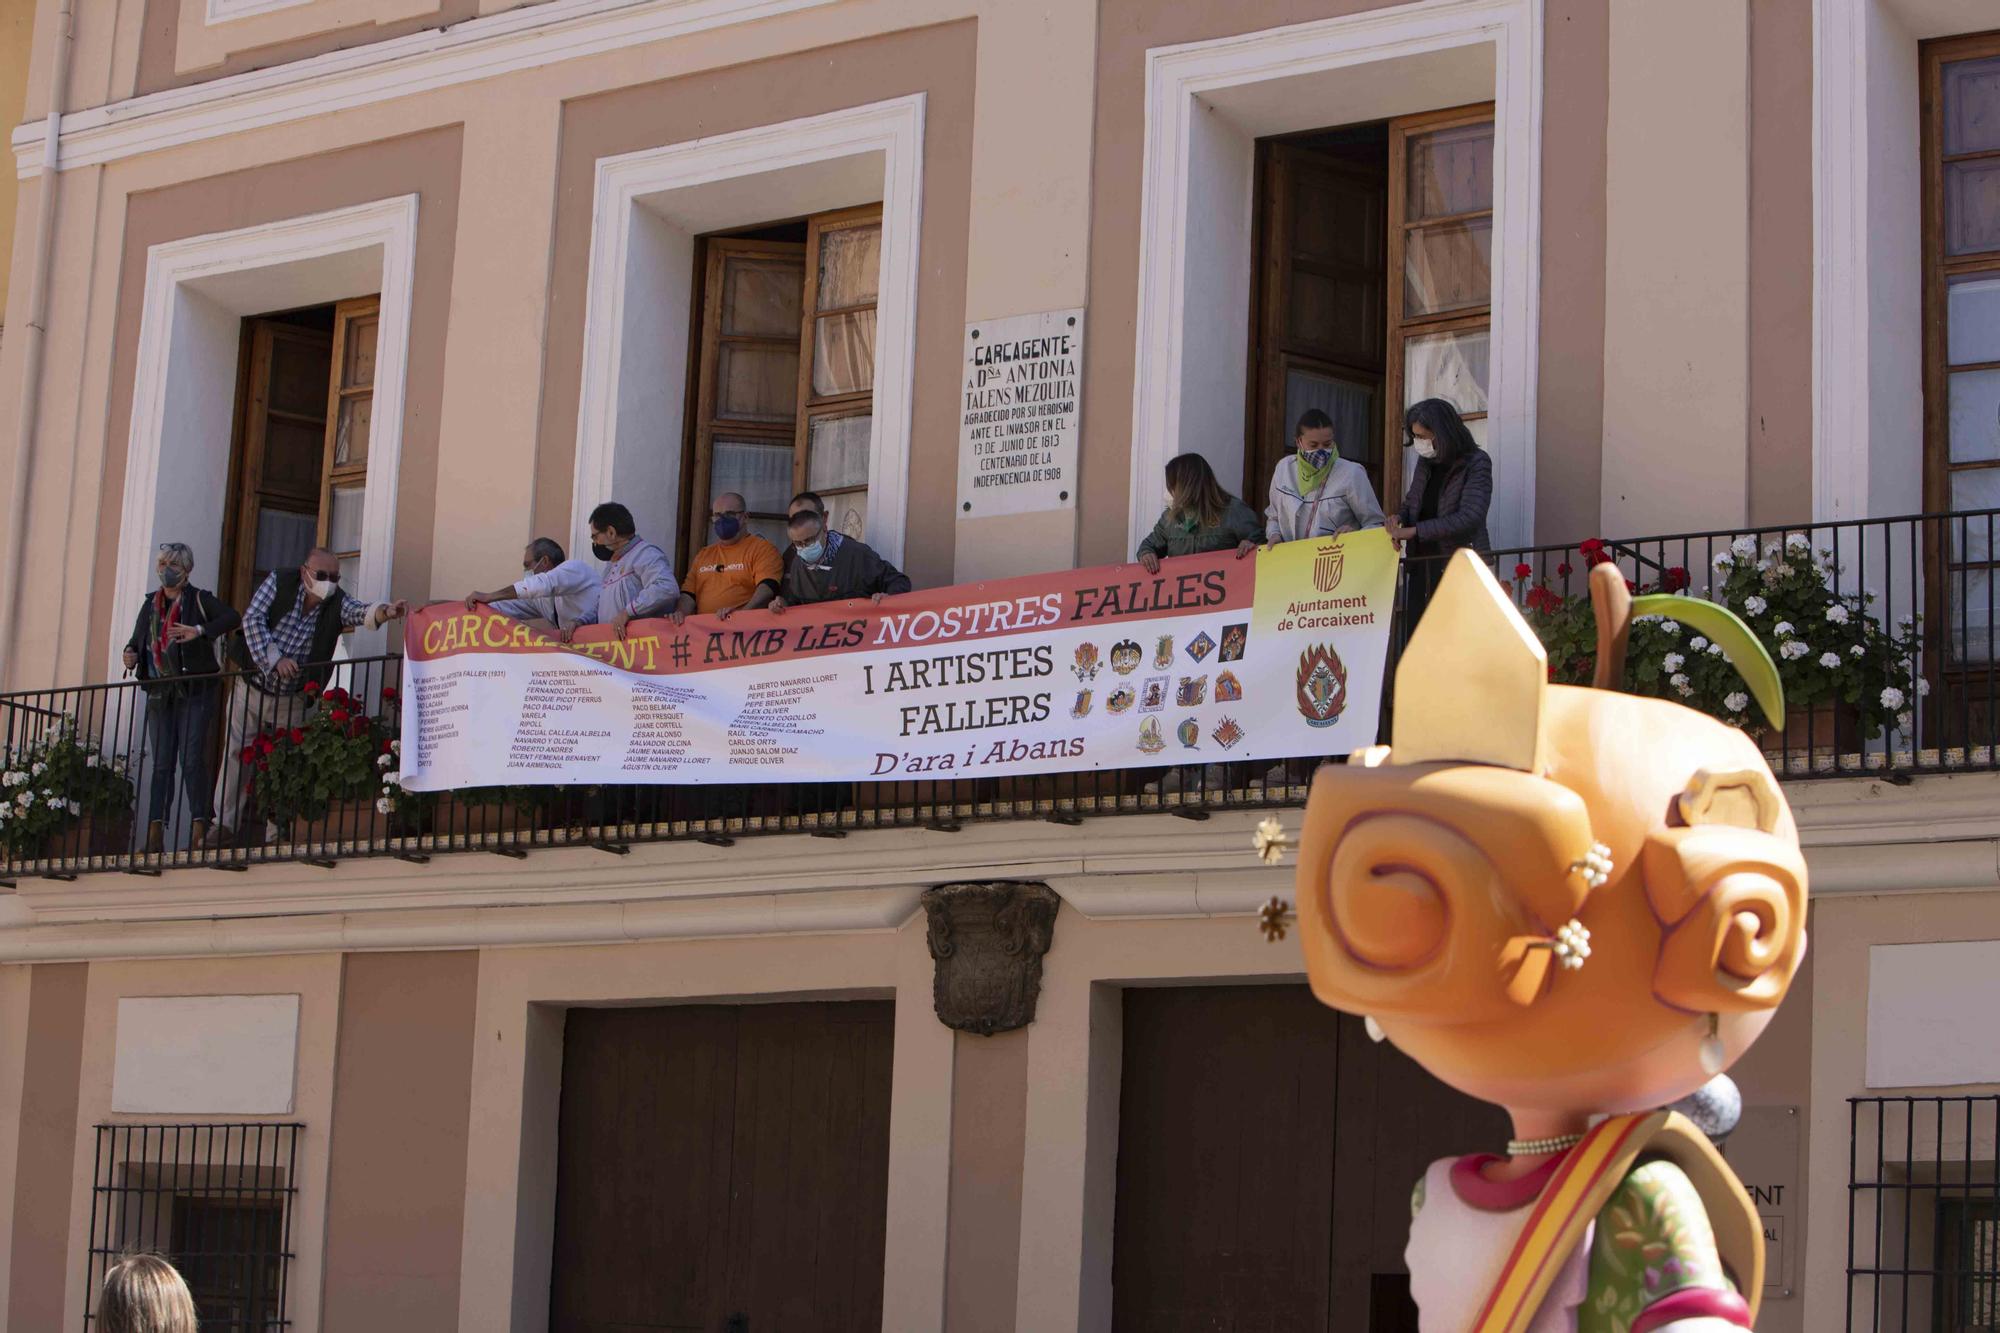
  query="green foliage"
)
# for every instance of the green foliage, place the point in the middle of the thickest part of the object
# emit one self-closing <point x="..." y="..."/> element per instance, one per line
<point x="298" y="774"/>
<point x="49" y="785"/>
<point x="1828" y="648"/>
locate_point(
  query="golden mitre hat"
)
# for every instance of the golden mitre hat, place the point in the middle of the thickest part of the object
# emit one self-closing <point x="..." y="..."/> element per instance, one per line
<point x="1471" y="685"/>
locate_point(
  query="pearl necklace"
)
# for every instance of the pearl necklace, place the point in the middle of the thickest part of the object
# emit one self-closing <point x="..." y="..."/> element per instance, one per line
<point x="1555" y="1143"/>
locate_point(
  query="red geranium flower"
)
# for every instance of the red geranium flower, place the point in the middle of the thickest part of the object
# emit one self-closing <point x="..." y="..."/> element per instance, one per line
<point x="1563" y="570"/>
<point x="358" y="728"/>
<point x="340" y="715"/>
<point x="1631" y="586"/>
<point x="264" y="745"/>
<point x="298" y="735"/>
<point x="249" y="753"/>
<point x="388" y="694"/>
<point x="339" y="695"/>
<point x="1675" y="579"/>
<point x="310" y="687"/>
<point x="385" y="747"/>
<point x="1523" y="570"/>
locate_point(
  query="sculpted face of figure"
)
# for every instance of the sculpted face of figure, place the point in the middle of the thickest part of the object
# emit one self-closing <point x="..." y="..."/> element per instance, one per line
<point x="1429" y="892"/>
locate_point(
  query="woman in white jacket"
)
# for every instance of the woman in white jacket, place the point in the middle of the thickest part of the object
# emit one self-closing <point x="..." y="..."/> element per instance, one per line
<point x="1315" y="492"/>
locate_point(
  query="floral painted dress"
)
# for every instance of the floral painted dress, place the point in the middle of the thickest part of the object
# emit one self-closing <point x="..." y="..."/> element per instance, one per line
<point x="1649" y="1264"/>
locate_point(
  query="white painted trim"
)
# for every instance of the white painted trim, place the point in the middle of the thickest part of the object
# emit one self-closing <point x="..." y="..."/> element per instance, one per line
<point x="1840" y="308"/>
<point x="389" y="225"/>
<point x="480" y="48"/>
<point x="228" y="11"/>
<point x="1177" y="76"/>
<point x="895" y="129"/>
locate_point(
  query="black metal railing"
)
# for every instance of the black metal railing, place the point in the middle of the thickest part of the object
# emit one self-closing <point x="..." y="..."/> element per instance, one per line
<point x="215" y="1200"/>
<point x="1923" y="1214"/>
<point x="1884" y="629"/>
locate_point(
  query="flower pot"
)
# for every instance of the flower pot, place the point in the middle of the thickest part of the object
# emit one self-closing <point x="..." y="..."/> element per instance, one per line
<point x="1831" y="728"/>
<point x="347" y="819"/>
<point x="95" y="833"/>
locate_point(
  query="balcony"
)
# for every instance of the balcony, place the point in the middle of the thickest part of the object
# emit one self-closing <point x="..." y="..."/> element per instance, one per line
<point x="1883" y="629"/>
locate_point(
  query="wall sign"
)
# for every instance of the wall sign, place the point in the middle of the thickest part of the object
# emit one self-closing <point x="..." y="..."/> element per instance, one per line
<point x="1764" y="1153"/>
<point x="1018" y="414"/>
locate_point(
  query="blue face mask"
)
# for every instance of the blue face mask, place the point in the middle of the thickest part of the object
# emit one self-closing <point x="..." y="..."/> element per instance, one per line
<point x="727" y="526"/>
<point x="811" y="554"/>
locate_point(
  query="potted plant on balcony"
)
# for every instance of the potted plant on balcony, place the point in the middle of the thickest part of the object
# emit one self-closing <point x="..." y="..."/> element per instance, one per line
<point x="1845" y="673"/>
<point x="320" y="776"/>
<point x="61" y="796"/>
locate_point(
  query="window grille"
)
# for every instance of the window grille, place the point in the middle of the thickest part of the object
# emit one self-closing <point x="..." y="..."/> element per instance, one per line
<point x="1923" y="1215"/>
<point x="214" y="1199"/>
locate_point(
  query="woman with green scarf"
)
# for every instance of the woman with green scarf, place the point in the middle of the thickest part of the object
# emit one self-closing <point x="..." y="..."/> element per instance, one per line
<point x="1200" y="516"/>
<point x="1317" y="493"/>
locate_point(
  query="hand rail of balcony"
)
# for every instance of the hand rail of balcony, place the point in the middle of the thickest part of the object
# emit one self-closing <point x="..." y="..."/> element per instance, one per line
<point x="1884" y="630"/>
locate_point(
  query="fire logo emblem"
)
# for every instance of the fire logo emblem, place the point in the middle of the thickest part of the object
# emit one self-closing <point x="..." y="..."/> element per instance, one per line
<point x="1322" y="681"/>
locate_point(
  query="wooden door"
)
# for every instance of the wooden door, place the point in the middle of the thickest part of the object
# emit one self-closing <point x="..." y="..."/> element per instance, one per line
<point x="1318" y="340"/>
<point x="276" y="465"/>
<point x="1266" y="1154"/>
<point x="723" y="1169"/>
<point x="350" y="416"/>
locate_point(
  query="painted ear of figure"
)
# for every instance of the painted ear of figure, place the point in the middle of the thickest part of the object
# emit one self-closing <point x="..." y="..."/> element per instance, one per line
<point x="1733" y="902"/>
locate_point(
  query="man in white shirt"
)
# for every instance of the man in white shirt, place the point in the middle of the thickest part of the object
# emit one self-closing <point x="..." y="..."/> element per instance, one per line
<point x="552" y="593"/>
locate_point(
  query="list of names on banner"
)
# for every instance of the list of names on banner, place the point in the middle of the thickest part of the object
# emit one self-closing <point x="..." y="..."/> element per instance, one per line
<point x="1093" y="668"/>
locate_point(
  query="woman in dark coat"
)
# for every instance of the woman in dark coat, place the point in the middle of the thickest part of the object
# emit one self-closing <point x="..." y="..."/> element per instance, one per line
<point x="1445" y="507"/>
<point x="173" y="649"/>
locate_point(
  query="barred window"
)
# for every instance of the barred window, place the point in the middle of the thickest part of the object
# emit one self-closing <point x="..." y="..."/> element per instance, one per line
<point x="1923" y="1239"/>
<point x="214" y="1199"/>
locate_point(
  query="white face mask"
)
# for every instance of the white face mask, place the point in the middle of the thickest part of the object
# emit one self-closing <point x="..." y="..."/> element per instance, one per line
<point x="1425" y="448"/>
<point x="321" y="588"/>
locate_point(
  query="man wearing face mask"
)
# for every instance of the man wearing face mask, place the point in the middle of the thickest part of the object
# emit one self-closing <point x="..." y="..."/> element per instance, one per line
<point x="637" y="579"/>
<point x="552" y="594"/>
<point x="738" y="571"/>
<point x="173" y="650"/>
<point x="823" y="565"/>
<point x="293" y="624"/>
<point x="1315" y="492"/>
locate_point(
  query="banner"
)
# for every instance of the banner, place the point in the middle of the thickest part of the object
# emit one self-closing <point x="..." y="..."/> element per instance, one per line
<point x="1275" y="655"/>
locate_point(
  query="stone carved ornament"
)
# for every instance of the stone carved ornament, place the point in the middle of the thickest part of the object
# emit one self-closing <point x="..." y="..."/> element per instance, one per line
<point x="987" y="940"/>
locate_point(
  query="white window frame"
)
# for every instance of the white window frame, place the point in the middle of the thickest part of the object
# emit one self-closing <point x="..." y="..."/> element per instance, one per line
<point x="1191" y="159"/>
<point x="198" y="290"/>
<point x="649" y="206"/>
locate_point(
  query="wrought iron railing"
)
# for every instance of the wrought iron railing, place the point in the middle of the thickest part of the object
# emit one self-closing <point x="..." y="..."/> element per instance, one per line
<point x="1923" y="1214"/>
<point x="1890" y="650"/>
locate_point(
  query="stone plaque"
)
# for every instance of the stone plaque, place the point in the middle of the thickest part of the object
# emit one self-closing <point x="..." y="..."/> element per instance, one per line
<point x="1018" y="414"/>
<point x="1764" y="1153"/>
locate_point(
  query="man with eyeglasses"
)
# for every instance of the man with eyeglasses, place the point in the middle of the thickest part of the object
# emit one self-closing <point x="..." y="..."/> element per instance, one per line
<point x="738" y="571"/>
<point x="553" y="593"/>
<point x="290" y="631"/>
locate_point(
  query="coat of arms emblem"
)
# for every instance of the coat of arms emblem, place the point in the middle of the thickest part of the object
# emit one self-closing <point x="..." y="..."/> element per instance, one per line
<point x="1327" y="564"/>
<point x="1086" y="663"/>
<point x="1322" y="682"/>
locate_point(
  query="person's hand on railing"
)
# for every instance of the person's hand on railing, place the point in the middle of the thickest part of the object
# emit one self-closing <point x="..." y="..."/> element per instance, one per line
<point x="287" y="669"/>
<point x="1245" y="548"/>
<point x="777" y="606"/>
<point x="1149" y="562"/>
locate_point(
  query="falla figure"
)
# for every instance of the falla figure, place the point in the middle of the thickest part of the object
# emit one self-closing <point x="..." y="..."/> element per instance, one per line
<point x="1579" y="905"/>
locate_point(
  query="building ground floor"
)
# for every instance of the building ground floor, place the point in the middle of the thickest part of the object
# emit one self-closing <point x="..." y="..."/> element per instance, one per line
<point x="709" y="1088"/>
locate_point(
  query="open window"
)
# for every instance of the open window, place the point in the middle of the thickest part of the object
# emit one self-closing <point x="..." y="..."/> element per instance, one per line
<point x="783" y="400"/>
<point x="1373" y="285"/>
<point x="299" y="465"/>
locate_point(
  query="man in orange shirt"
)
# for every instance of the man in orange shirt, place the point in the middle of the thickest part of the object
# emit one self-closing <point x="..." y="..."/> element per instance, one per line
<point x="738" y="571"/>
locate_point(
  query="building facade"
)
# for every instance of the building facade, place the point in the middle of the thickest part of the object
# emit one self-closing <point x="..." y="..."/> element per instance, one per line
<point x="1691" y="270"/>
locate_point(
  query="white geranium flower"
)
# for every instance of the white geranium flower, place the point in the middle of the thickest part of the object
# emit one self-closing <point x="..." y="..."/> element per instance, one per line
<point x="1793" y="649"/>
<point x="1744" y="546"/>
<point x="1713" y="650"/>
<point x="1736" y="701"/>
<point x="395" y="747"/>
<point x="1903" y="720"/>
<point x="1680" y="683"/>
<point x="1756" y="606"/>
<point x="385" y="806"/>
<point x="1858" y="650"/>
<point x="1892" y="698"/>
<point x="1670" y="628"/>
<point x="76" y="807"/>
<point x="1672" y="662"/>
<point x="1797" y="541"/>
<point x="1923" y="687"/>
<point x="1697" y="643"/>
<point x="39" y="768"/>
<point x="90" y="760"/>
<point x="1723" y="560"/>
<point x="1782" y="628"/>
<point x="1837" y="613"/>
<point x="1829" y="660"/>
<point x="384" y="760"/>
<point x="393" y="778"/>
<point x="24" y="799"/>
